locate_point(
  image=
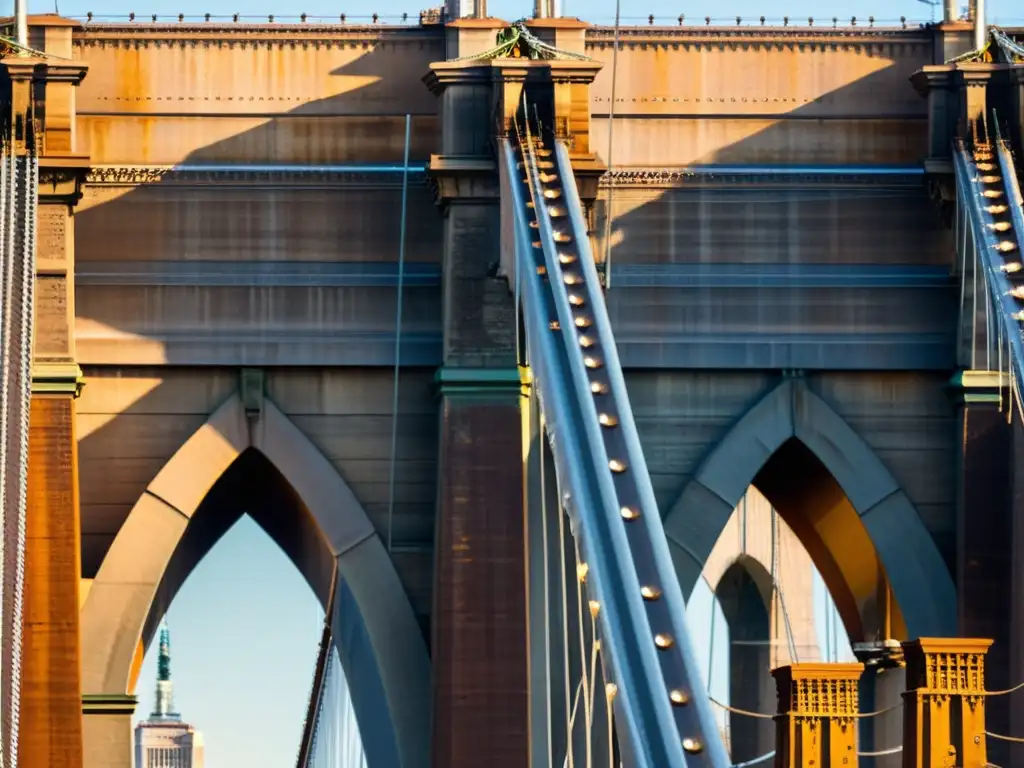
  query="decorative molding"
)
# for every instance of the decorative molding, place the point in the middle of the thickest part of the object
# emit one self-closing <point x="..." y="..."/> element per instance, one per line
<point x="197" y="176"/>
<point x="241" y="36"/>
<point x="109" y="704"/>
<point x="52" y="378"/>
<point x="872" y="41"/>
<point x="654" y="178"/>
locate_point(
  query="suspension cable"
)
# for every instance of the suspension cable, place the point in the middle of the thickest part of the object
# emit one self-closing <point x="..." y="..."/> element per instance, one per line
<point x="398" y="334"/>
<point x="611" y="176"/>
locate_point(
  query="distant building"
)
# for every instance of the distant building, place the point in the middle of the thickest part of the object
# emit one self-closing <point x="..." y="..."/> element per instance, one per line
<point x="164" y="741"/>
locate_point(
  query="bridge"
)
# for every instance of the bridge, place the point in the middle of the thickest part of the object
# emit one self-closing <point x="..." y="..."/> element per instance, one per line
<point x="491" y="326"/>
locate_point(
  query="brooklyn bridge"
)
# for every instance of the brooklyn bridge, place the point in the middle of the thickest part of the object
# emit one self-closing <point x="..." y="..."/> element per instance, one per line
<point x="506" y="332"/>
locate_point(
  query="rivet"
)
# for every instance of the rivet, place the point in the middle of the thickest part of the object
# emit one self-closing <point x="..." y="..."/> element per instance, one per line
<point x="663" y="640"/>
<point x="582" y="321"/>
<point x="570" y="279"/>
<point x="1011" y="267"/>
<point x="566" y="258"/>
<point x="554" y="326"/>
<point x="581" y="572"/>
<point x="616" y="466"/>
<point x="1000" y="226"/>
<point x="607" y="420"/>
<point x="595" y="608"/>
<point x="650" y="593"/>
<point x="679" y="698"/>
<point x="991" y="179"/>
<point x="610" y="689"/>
<point x="997" y="209"/>
<point x="628" y="513"/>
<point x="692" y="746"/>
<point x="992" y="193"/>
<point x="591" y="362"/>
<point x="1006" y="246"/>
<point x="576" y="300"/>
<point x="586" y="341"/>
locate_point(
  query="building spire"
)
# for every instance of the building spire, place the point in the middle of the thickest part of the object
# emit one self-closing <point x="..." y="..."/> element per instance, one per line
<point x="164" y="686"/>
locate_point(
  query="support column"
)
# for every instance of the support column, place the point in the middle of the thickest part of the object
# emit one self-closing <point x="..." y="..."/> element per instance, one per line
<point x="935" y="83"/>
<point x="480" y="643"/>
<point x="881" y="688"/>
<point x="985" y="529"/>
<point x="43" y="95"/>
<point x="944" y="706"/>
<point x="817" y="720"/>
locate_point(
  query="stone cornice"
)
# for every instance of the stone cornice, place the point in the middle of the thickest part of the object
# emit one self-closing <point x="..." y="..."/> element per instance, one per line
<point x="61" y="177"/>
<point x="218" y="35"/>
<point x="932" y="77"/>
<point x="135" y="175"/>
<point x="455" y="178"/>
<point x="54" y="378"/>
<point x="662" y="178"/>
<point x="872" y="40"/>
<point x="45" y="69"/>
<point x="443" y="74"/>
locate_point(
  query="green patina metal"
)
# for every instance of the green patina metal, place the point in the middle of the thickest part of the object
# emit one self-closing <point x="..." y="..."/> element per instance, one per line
<point x="517" y="42"/>
<point x="452" y="381"/>
<point x="977" y="387"/>
<point x="1000" y="49"/>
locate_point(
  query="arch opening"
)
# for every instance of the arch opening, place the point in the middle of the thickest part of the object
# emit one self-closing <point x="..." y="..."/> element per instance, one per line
<point x="266" y="468"/>
<point x="745" y="607"/>
<point x="869" y="544"/>
<point x="811" y="502"/>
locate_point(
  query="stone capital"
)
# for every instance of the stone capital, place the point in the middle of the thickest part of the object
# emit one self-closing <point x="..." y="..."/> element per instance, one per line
<point x="456" y="177"/>
<point x="934" y="77"/>
<point x="61" y="177"/>
<point x="977" y="74"/>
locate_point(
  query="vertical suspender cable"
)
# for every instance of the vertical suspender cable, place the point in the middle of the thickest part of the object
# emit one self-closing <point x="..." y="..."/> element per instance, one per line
<point x="398" y="333"/>
<point x="611" y="133"/>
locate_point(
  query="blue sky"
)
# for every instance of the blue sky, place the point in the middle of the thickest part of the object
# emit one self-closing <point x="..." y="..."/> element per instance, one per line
<point x="245" y="625"/>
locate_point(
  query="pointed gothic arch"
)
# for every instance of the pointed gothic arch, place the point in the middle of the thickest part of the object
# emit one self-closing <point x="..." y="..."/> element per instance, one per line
<point x="867" y="513"/>
<point x="380" y="643"/>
